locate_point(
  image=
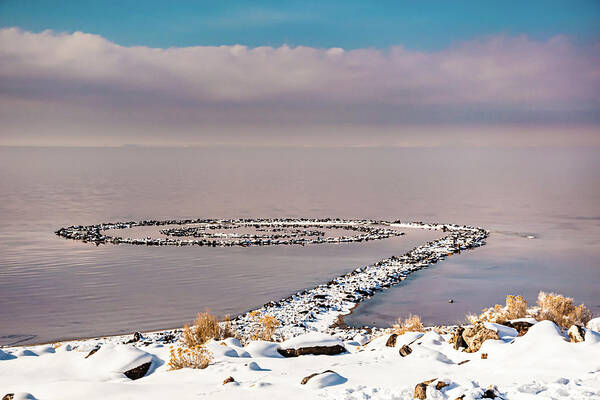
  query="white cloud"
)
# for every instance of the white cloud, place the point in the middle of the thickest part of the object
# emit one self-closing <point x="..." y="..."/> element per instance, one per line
<point x="504" y="77"/>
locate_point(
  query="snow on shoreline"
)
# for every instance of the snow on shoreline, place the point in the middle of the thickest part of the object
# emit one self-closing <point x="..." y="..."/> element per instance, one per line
<point x="542" y="364"/>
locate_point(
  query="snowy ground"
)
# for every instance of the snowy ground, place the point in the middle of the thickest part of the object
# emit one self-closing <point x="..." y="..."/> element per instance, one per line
<point x="541" y="364"/>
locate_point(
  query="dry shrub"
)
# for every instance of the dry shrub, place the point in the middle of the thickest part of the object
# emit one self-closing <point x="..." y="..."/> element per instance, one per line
<point x="264" y="326"/>
<point x="410" y="324"/>
<point x="197" y="357"/>
<point x="205" y="328"/>
<point x="516" y="307"/>
<point x="561" y="310"/>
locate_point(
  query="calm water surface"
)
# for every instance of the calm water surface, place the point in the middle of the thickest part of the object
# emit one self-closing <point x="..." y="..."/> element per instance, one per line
<point x="51" y="288"/>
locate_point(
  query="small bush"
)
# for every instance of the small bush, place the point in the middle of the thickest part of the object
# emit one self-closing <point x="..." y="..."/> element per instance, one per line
<point x="205" y="328"/>
<point x="561" y="310"/>
<point x="516" y="307"/>
<point x="264" y="326"/>
<point x="410" y="324"/>
<point x="197" y="357"/>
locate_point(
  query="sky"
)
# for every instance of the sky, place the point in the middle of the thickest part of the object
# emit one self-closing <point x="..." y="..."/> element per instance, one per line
<point x="310" y="73"/>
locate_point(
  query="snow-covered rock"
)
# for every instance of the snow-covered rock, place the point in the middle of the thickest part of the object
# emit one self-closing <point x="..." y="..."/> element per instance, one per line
<point x="576" y="334"/>
<point x="503" y="331"/>
<point x="311" y="343"/>
<point x="327" y="378"/>
<point x="114" y="360"/>
<point x="594" y="324"/>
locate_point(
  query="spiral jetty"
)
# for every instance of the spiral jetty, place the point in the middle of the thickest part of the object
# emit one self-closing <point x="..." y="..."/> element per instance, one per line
<point x="315" y="309"/>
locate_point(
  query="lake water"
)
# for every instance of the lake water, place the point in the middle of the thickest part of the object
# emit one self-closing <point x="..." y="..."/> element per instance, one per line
<point x="52" y="288"/>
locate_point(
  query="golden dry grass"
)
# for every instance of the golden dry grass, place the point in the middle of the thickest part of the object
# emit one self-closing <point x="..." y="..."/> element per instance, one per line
<point x="197" y="357"/>
<point x="264" y="326"/>
<point x="515" y="307"/>
<point x="410" y="324"/>
<point x="561" y="310"/>
<point x="550" y="306"/>
<point x="205" y="328"/>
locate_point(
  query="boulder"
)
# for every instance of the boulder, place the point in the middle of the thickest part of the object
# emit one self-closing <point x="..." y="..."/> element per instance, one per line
<point x="9" y="396"/>
<point x="522" y="326"/>
<point x="138" y="372"/>
<point x="391" y="342"/>
<point x="314" y="350"/>
<point x="457" y="339"/>
<point x="484" y="356"/>
<point x="476" y="335"/>
<point x="405" y="350"/>
<point x="311" y="343"/>
<point x="440" y="385"/>
<point x="228" y="380"/>
<point x="576" y="334"/>
<point x="421" y="389"/>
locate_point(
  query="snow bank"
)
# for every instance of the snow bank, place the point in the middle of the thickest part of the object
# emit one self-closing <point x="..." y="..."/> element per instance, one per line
<point x="540" y="364"/>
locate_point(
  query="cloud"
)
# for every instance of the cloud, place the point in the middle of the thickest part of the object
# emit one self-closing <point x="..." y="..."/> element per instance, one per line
<point x="499" y="79"/>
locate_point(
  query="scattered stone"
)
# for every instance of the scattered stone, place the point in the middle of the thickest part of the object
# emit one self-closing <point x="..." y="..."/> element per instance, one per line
<point x="95" y="349"/>
<point x="9" y="396"/>
<point x="461" y="397"/>
<point x="484" y="356"/>
<point x="421" y="389"/>
<point x="168" y="338"/>
<point x="458" y="340"/>
<point x="463" y="362"/>
<point x="440" y="385"/>
<point x="228" y="380"/>
<point x="405" y="350"/>
<point x="314" y="350"/>
<point x="490" y="393"/>
<point x="136" y="338"/>
<point x="138" y="372"/>
<point x="576" y="334"/>
<point x="391" y="342"/>
<point x="476" y="335"/>
<point x="451" y="301"/>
